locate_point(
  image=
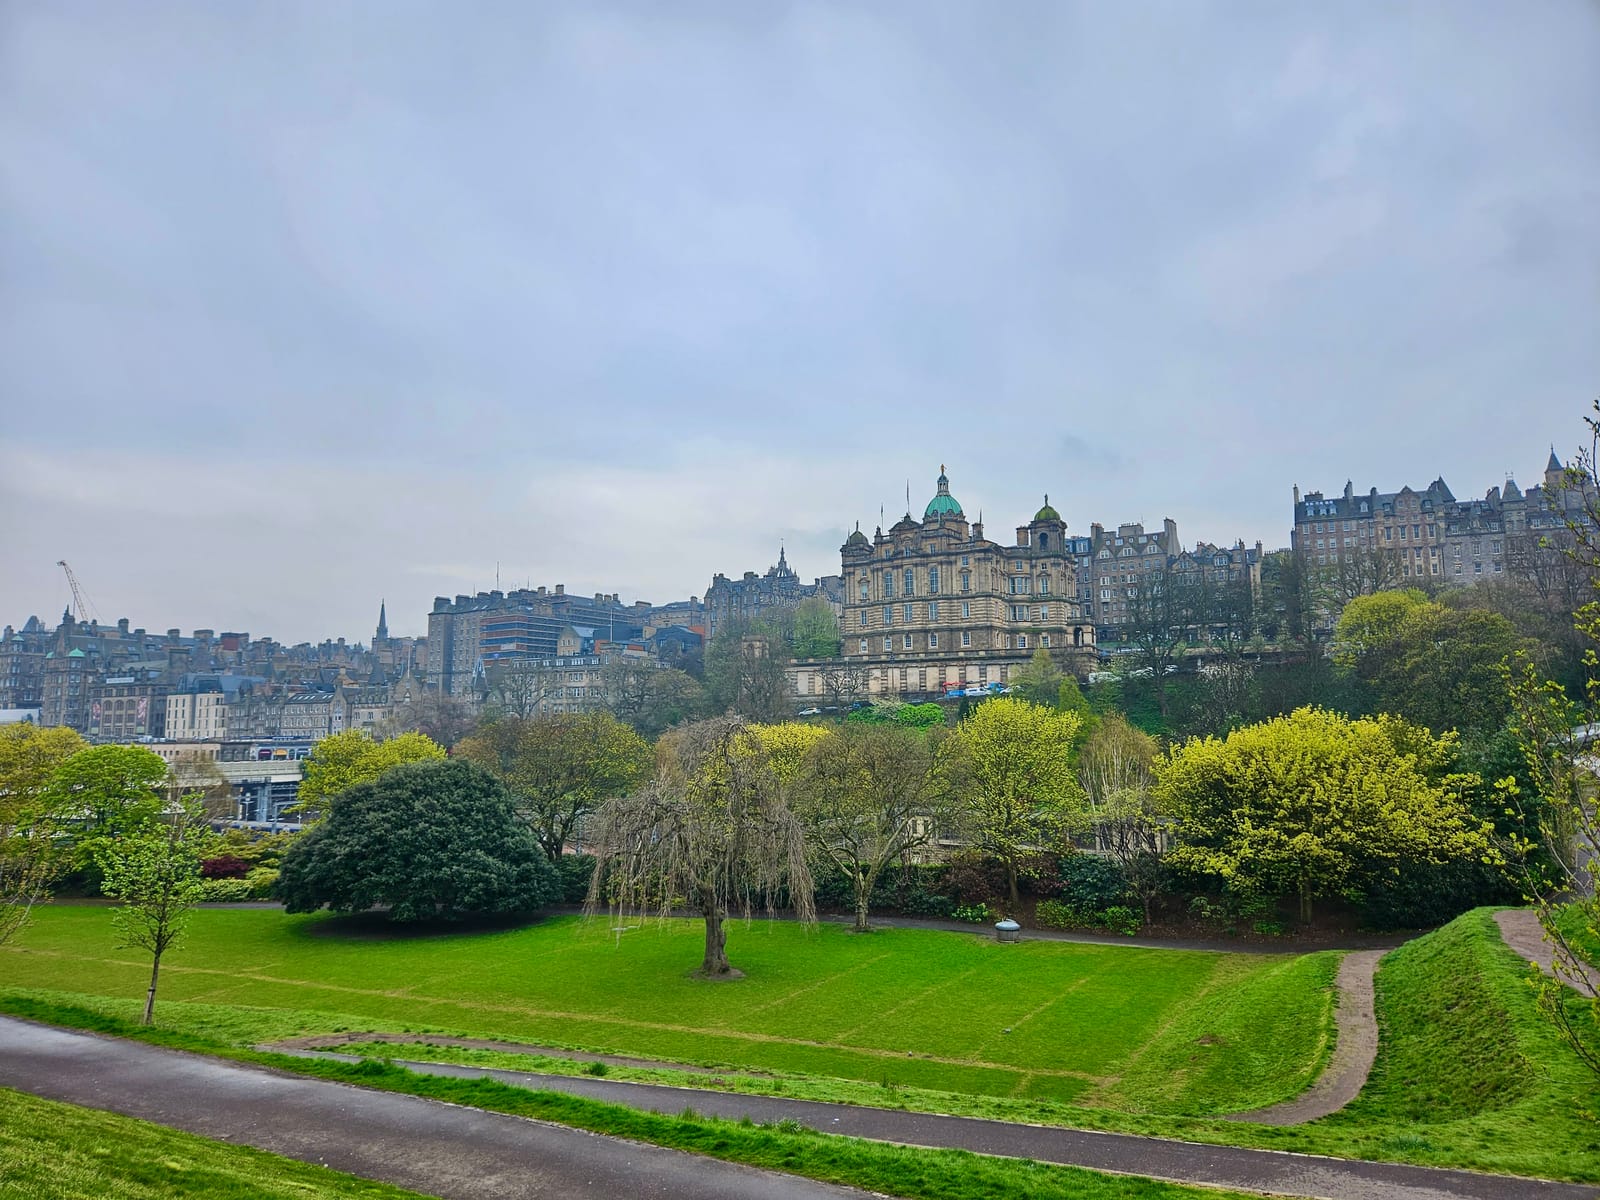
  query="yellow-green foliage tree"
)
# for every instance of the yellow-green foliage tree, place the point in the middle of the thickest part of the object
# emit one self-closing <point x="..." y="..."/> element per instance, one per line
<point x="560" y="768"/>
<point x="343" y="760"/>
<point x="1311" y="804"/>
<point x="106" y="792"/>
<point x="1369" y="624"/>
<point x="1442" y="667"/>
<point x="29" y="823"/>
<point x="786" y="747"/>
<point x="869" y="795"/>
<point x="1014" y="761"/>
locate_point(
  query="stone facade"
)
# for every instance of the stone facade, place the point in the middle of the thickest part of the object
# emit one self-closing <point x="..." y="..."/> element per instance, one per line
<point x="933" y="604"/>
<point x="1430" y="535"/>
<point x="746" y="599"/>
<point x="1119" y="561"/>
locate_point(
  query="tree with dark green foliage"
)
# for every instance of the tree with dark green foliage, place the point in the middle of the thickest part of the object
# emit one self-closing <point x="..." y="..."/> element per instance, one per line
<point x="431" y="841"/>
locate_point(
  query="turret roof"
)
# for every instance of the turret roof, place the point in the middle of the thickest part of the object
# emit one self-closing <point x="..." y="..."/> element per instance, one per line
<point x="943" y="503"/>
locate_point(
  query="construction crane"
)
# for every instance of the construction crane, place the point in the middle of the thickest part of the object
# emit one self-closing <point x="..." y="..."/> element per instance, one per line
<point x="80" y="602"/>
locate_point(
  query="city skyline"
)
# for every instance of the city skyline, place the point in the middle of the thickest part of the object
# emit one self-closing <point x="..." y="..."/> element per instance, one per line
<point x="306" y="308"/>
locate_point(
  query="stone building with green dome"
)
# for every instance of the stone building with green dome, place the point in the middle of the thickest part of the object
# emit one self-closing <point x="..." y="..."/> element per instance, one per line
<point x="931" y="605"/>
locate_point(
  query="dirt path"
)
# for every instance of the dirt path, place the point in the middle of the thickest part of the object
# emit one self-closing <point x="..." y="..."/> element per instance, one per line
<point x="1355" y="1049"/>
<point x="1522" y="932"/>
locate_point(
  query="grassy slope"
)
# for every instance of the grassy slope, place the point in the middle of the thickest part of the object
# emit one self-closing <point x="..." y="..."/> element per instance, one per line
<point x="908" y="1008"/>
<point x="51" y="1151"/>
<point x="1578" y="925"/>
<point x="1469" y="1071"/>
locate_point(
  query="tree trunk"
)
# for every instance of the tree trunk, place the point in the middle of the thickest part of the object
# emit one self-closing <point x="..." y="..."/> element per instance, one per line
<point x="1016" y="897"/>
<point x="863" y="895"/>
<point x="150" y="996"/>
<point x="1305" y="904"/>
<point x="716" y="960"/>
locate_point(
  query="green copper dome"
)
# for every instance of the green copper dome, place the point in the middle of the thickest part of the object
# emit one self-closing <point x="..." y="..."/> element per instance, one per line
<point x="943" y="503"/>
<point x="1047" y="513"/>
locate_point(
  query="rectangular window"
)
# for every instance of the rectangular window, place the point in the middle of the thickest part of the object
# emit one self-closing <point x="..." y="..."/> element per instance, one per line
<point x="1044" y="612"/>
<point x="1044" y="640"/>
<point x="910" y="581"/>
<point x="888" y="614"/>
<point x="888" y="585"/>
<point x="1416" y="532"/>
<point x="861" y="618"/>
<point x="888" y="644"/>
<point x="966" y="638"/>
<point x="966" y="609"/>
<point x="1022" y="641"/>
<point x="933" y="641"/>
<point x="905" y="613"/>
<point x="933" y="581"/>
<point x="933" y="610"/>
<point x="905" y="641"/>
<point x="863" y="645"/>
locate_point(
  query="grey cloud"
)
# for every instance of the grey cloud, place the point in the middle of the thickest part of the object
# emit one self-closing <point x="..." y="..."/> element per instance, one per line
<point x="460" y="271"/>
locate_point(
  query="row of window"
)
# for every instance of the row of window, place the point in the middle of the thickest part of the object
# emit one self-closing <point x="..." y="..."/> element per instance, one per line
<point x="1018" y="585"/>
<point x="908" y="642"/>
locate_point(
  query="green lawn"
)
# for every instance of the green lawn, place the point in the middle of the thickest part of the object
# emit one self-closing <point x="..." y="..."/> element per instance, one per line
<point x="1155" y="1031"/>
<point x="51" y="1151"/>
<point x="1468" y="1074"/>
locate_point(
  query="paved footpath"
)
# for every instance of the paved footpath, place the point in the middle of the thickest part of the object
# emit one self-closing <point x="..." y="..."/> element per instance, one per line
<point x="1237" y="1167"/>
<point x="440" y="1149"/>
<point x="453" y="1151"/>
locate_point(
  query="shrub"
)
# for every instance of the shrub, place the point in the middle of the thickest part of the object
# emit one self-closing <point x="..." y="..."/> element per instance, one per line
<point x="1119" y="918"/>
<point x="225" y="866"/>
<point x="261" y="881"/>
<point x="976" y="913"/>
<point x="574" y="872"/>
<point x="970" y="878"/>
<point x="224" y="891"/>
<point x="1059" y="914"/>
<point x="430" y="840"/>
<point x="1091" y="882"/>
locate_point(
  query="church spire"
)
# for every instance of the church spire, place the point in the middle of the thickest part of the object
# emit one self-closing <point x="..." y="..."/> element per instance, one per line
<point x="383" y="622"/>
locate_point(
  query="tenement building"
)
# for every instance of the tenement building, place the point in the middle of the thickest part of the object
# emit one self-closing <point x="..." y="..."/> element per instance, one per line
<point x="932" y="604"/>
<point x="1429" y="535"/>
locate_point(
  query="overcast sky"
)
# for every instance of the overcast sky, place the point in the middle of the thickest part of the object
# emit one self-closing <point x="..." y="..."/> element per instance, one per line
<point x="304" y="305"/>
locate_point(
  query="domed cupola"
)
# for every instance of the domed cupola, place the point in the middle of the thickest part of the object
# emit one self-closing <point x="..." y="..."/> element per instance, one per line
<point x="1047" y="513"/>
<point x="943" y="503"/>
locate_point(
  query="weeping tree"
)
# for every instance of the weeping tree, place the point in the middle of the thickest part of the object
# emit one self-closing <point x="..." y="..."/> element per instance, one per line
<point x="709" y="832"/>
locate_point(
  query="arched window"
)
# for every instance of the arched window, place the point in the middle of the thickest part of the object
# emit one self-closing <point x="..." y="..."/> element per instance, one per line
<point x="911" y="581"/>
<point x="1044" y="540"/>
